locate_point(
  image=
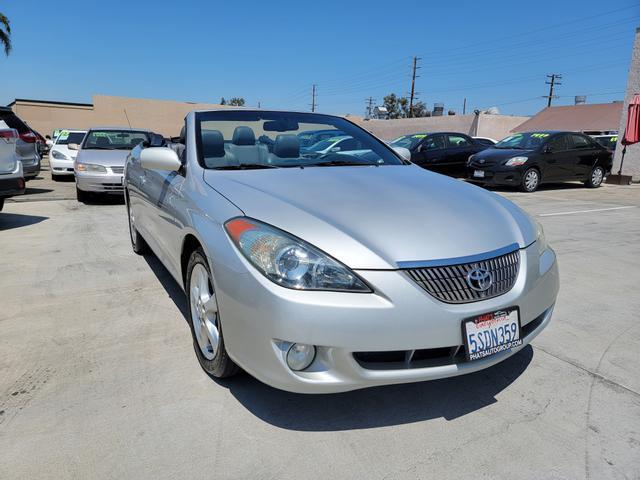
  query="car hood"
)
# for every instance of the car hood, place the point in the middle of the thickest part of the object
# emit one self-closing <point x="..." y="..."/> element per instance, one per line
<point x="376" y="217"/>
<point x="103" y="157"/>
<point x="497" y="154"/>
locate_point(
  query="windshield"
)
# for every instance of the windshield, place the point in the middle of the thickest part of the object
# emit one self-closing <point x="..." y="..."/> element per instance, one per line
<point x="65" y="138"/>
<point x="408" y="141"/>
<point x="524" y="141"/>
<point x="251" y="139"/>
<point x="113" y="139"/>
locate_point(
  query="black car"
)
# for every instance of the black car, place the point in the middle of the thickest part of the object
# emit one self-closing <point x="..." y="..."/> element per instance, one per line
<point x="528" y="159"/>
<point x="442" y="152"/>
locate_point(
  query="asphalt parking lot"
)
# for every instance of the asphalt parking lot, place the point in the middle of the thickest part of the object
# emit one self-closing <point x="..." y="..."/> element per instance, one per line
<point x="98" y="378"/>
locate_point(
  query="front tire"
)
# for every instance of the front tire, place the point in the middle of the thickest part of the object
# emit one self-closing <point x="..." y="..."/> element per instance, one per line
<point x="138" y="243"/>
<point x="530" y="180"/>
<point x="82" y="196"/>
<point x="206" y="327"/>
<point x="595" y="177"/>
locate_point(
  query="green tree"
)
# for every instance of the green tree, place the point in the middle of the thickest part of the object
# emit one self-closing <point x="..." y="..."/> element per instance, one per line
<point x="391" y="104"/>
<point x="5" y="33"/>
<point x="237" y="102"/>
<point x="419" y="109"/>
<point x="223" y="101"/>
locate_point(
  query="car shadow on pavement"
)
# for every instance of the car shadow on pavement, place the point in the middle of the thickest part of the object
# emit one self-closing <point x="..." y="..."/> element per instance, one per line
<point x="104" y="199"/>
<point x="9" y="221"/>
<point x="375" y="407"/>
<point x="542" y="188"/>
<point x="169" y="284"/>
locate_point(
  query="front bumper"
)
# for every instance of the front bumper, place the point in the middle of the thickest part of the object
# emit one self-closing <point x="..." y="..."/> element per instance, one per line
<point x="260" y="319"/>
<point x="495" y="175"/>
<point x="100" y="182"/>
<point x="61" y="166"/>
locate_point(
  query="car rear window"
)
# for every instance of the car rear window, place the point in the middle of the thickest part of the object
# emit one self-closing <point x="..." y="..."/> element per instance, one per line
<point x="11" y="120"/>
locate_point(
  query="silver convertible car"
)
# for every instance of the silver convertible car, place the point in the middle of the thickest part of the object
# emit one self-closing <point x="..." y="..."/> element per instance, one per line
<point x="334" y="272"/>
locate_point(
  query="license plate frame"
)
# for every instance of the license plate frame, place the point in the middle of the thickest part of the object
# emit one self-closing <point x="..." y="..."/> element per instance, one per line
<point x="478" y="174"/>
<point x="491" y="317"/>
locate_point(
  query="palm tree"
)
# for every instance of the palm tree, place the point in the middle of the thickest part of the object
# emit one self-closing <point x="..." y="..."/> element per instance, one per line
<point x="5" y="33"/>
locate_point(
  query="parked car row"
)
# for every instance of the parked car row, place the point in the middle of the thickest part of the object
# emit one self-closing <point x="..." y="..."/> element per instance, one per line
<point x="524" y="160"/>
<point x="28" y="143"/>
<point x="11" y="172"/>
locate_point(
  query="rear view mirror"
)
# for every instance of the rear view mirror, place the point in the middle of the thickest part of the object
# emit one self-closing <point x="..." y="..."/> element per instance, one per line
<point x="160" y="158"/>
<point x="404" y="153"/>
<point x="282" y="125"/>
<point x="73" y="146"/>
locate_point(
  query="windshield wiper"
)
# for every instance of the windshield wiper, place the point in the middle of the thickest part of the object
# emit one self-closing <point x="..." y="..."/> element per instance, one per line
<point x="341" y="163"/>
<point x="245" y="166"/>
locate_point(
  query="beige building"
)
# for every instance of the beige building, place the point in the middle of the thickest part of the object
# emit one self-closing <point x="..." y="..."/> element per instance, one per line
<point x="481" y="125"/>
<point x="166" y="117"/>
<point x="161" y="116"/>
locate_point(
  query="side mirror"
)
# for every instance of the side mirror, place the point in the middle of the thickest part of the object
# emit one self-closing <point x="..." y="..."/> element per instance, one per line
<point x="404" y="153"/>
<point x="335" y="149"/>
<point x="73" y="146"/>
<point x="160" y="158"/>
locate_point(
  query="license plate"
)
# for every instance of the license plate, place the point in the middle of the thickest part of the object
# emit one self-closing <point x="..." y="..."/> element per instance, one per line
<point x="491" y="333"/>
<point x="478" y="173"/>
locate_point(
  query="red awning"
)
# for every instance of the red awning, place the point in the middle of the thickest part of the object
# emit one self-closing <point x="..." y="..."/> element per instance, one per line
<point x="632" y="132"/>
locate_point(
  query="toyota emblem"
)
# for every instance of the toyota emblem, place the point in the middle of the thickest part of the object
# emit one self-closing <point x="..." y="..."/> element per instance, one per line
<point x="480" y="279"/>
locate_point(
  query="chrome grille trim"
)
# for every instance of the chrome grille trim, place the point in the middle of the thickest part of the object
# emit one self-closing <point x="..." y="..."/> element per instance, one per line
<point x="117" y="169"/>
<point x="448" y="283"/>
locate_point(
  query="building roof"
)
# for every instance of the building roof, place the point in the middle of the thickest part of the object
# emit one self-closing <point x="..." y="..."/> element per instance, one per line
<point x="597" y="117"/>
<point x="49" y="102"/>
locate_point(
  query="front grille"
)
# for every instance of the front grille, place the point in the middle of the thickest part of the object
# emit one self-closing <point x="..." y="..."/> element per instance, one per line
<point x="117" y="169"/>
<point x="449" y="283"/>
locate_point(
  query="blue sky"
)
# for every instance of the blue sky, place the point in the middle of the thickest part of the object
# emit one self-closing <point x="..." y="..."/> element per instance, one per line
<point x="492" y="53"/>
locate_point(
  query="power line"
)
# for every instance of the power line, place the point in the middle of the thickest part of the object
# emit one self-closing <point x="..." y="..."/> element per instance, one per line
<point x="554" y="81"/>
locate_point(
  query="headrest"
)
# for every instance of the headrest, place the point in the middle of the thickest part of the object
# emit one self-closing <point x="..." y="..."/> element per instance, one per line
<point x="212" y="144"/>
<point x="102" y="141"/>
<point x="243" y="136"/>
<point x="286" y="146"/>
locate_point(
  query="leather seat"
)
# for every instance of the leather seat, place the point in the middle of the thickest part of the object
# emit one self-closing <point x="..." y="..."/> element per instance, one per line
<point x="244" y="149"/>
<point x="214" y="152"/>
<point x="285" y="147"/>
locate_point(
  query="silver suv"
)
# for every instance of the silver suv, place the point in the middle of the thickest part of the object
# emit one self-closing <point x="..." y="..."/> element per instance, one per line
<point x="26" y="143"/>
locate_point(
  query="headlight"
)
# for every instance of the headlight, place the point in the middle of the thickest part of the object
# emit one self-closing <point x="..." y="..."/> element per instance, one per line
<point x="59" y="155"/>
<point x="289" y="261"/>
<point x="515" y="161"/>
<point x="91" y="168"/>
<point x="541" y="240"/>
<point x="470" y="159"/>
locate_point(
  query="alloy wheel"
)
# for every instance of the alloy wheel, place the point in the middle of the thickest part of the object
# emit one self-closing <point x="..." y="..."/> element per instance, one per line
<point x="204" y="312"/>
<point x="596" y="176"/>
<point x="531" y="180"/>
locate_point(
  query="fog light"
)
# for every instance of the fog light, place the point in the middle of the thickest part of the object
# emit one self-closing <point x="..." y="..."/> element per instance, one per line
<point x="300" y="356"/>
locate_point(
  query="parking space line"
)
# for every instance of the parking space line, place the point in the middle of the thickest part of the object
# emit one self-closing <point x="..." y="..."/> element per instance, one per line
<point x="585" y="211"/>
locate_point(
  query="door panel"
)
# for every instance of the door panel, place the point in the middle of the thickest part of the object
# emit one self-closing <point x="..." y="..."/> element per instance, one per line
<point x="585" y="154"/>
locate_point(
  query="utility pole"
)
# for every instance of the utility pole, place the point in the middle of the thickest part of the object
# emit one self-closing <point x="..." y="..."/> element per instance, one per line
<point x="464" y="106"/>
<point x="413" y="85"/>
<point x="313" y="98"/>
<point x="370" y="101"/>
<point x="554" y="81"/>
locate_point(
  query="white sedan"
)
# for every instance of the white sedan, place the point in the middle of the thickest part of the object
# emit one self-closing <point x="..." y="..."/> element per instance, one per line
<point x="61" y="158"/>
